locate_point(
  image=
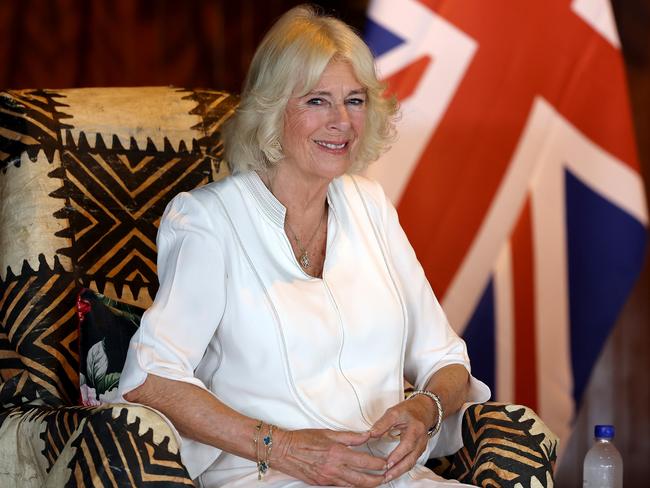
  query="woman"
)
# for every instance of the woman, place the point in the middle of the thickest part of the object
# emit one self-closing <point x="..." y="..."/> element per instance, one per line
<point x="291" y="306"/>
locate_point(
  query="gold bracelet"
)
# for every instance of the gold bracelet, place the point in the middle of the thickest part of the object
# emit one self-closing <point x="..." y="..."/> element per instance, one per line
<point x="436" y="399"/>
<point x="268" y="444"/>
<point x="256" y="444"/>
<point x="263" y="465"/>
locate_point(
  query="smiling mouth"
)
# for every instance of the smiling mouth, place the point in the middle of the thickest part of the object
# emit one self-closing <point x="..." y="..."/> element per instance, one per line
<point x="331" y="145"/>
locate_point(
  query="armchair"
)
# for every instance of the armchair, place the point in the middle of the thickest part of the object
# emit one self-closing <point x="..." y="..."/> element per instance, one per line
<point x="85" y="176"/>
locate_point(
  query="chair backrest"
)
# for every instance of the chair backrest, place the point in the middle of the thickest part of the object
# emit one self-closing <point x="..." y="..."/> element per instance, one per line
<point x="85" y="177"/>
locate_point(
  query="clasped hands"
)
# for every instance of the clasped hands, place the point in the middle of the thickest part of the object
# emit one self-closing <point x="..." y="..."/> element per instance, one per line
<point x="324" y="457"/>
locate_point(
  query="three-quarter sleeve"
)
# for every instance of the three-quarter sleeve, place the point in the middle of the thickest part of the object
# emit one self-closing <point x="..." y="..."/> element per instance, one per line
<point x="431" y="343"/>
<point x="176" y="330"/>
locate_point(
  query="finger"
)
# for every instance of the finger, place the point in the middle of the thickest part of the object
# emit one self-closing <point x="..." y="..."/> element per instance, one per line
<point x="408" y="443"/>
<point x="349" y="438"/>
<point x="404" y="466"/>
<point x="404" y="456"/>
<point x="357" y="478"/>
<point x="345" y="475"/>
<point x="340" y="454"/>
<point x="364" y="461"/>
<point x="385" y="424"/>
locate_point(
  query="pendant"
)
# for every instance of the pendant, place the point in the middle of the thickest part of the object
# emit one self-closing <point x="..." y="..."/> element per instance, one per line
<point x="304" y="261"/>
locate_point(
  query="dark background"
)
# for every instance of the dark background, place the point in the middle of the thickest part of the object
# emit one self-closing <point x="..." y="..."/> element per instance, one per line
<point x="209" y="43"/>
<point x="191" y="43"/>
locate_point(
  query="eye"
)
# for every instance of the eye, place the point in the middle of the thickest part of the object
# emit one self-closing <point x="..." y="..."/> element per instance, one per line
<point x="356" y="101"/>
<point x="315" y="101"/>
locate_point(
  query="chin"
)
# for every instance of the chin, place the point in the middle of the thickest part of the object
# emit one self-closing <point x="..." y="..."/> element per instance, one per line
<point x="335" y="172"/>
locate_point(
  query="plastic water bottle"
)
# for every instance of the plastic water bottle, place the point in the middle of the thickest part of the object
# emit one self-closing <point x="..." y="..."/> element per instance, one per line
<point x="603" y="466"/>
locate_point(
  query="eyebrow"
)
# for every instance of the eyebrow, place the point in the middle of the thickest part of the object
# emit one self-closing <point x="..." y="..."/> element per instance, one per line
<point x="360" y="91"/>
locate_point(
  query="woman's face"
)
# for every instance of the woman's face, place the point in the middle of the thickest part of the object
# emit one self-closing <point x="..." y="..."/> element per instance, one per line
<point x="322" y="129"/>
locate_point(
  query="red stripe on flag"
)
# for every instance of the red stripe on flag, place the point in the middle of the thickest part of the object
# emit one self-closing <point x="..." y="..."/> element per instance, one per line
<point x="525" y="374"/>
<point x="525" y="50"/>
<point x="403" y="83"/>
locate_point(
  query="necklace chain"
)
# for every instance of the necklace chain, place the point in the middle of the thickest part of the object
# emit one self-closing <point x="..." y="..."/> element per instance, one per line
<point x="304" y="260"/>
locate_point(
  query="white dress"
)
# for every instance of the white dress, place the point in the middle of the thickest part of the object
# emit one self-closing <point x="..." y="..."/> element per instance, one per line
<point x="236" y="315"/>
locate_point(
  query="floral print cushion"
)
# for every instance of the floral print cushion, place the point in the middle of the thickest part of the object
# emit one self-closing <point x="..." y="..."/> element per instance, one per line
<point x="105" y="329"/>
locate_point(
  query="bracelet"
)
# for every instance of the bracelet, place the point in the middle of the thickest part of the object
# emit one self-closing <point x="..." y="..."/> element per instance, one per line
<point x="268" y="444"/>
<point x="436" y="399"/>
<point x="263" y="465"/>
<point x="256" y="442"/>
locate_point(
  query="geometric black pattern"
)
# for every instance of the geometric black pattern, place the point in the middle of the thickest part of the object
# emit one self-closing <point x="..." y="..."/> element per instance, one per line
<point x="111" y="194"/>
<point x="214" y="108"/>
<point x="106" y="200"/>
<point x="39" y="335"/>
<point x="115" y="196"/>
<point x="115" y="200"/>
<point x="503" y="446"/>
<point x="101" y="446"/>
<point x="29" y="122"/>
<point x="112" y="452"/>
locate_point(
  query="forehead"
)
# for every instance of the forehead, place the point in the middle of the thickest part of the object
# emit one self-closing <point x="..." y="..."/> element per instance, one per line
<point x="338" y="75"/>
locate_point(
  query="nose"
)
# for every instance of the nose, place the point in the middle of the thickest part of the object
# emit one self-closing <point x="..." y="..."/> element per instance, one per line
<point x="340" y="118"/>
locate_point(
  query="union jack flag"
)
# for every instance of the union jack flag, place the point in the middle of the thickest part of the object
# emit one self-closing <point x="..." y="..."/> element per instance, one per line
<point x="517" y="181"/>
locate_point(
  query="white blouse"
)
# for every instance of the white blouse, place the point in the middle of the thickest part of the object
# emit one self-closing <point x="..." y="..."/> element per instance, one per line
<point x="236" y="315"/>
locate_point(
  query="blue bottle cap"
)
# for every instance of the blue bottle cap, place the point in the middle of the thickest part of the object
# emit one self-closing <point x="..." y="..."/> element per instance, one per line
<point x="604" y="431"/>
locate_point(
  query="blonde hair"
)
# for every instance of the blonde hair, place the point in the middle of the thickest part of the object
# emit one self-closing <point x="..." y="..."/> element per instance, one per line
<point x="292" y="57"/>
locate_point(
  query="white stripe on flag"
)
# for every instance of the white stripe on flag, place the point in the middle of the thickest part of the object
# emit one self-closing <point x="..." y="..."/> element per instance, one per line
<point x="536" y="166"/>
<point x="468" y="284"/>
<point x="598" y="14"/>
<point x="605" y="174"/>
<point x="504" y="326"/>
<point x="552" y="330"/>
<point x="450" y="52"/>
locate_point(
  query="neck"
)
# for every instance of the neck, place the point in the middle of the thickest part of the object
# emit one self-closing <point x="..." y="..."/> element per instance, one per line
<point x="300" y="197"/>
<point x="305" y="202"/>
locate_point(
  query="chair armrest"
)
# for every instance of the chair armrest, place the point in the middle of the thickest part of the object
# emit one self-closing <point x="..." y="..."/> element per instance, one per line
<point x="110" y="445"/>
<point x="504" y="446"/>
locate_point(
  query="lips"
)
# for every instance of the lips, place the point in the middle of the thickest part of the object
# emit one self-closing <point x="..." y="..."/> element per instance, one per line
<point x="334" y="146"/>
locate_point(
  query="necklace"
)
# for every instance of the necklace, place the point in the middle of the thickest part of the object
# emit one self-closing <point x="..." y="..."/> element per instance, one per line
<point x="304" y="260"/>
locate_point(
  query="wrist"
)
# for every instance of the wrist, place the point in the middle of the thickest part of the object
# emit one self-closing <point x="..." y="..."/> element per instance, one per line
<point x="436" y="421"/>
<point x="281" y="441"/>
<point x="263" y="443"/>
